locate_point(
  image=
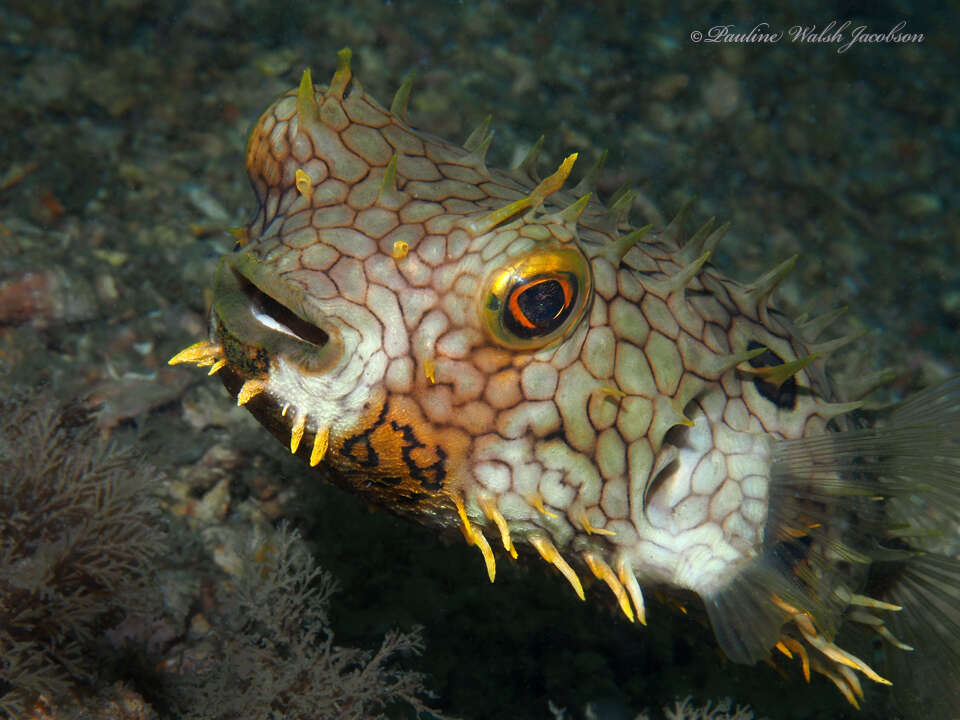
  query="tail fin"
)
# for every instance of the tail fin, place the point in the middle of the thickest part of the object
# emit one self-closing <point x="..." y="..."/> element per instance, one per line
<point x="927" y="585"/>
<point x="875" y="511"/>
<point x="903" y="477"/>
<point x="927" y="681"/>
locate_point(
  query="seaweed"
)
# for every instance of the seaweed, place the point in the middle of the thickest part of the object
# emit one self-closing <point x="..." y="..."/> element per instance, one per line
<point x="81" y="548"/>
<point x="77" y="541"/>
<point x="274" y="653"/>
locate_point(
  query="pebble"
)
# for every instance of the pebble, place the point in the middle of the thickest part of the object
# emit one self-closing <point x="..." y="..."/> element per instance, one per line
<point x="950" y="303"/>
<point x="721" y="95"/>
<point x="106" y="288"/>
<point x="46" y="298"/>
<point x="669" y="86"/>
<point x="206" y="203"/>
<point x="920" y="204"/>
<point x="215" y="502"/>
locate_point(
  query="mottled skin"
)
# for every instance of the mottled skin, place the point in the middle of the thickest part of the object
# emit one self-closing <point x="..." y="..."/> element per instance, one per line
<point x="365" y="312"/>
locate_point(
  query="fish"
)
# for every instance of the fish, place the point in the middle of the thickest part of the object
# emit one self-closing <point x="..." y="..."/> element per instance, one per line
<point x="504" y="356"/>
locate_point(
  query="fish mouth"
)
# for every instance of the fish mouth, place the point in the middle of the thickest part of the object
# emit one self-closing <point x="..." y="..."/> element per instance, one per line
<point x="259" y="311"/>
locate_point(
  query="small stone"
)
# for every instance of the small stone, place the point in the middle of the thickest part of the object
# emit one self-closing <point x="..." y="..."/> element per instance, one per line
<point x="214" y="504"/>
<point x="721" y="95"/>
<point x="210" y="16"/>
<point x="950" y="303"/>
<point x="203" y="407"/>
<point x="115" y="258"/>
<point x="228" y="560"/>
<point x="106" y="288"/>
<point x="206" y="203"/>
<point x="132" y="396"/>
<point x="199" y="625"/>
<point x="919" y="204"/>
<point x="46" y="298"/>
<point x="277" y="62"/>
<point x="668" y="87"/>
<point x="662" y="117"/>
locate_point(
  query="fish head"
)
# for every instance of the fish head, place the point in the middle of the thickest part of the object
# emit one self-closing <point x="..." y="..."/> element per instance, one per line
<point x="387" y="328"/>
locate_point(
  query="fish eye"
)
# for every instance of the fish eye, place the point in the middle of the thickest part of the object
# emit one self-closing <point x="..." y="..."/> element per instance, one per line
<point x="537" y="298"/>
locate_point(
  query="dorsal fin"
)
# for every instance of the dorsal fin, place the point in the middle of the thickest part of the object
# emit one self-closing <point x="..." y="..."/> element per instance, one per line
<point x="527" y="168"/>
<point x="402" y="97"/>
<point x="674" y="232"/>
<point x="866" y="384"/>
<point x="388" y="195"/>
<point x="831" y="346"/>
<point x="758" y="292"/>
<point x="341" y="78"/>
<point x="572" y="212"/>
<point x="478" y="156"/>
<point x="588" y="183"/>
<point x="811" y="328"/>
<point x="486" y="222"/>
<point x="704" y="240"/>
<point x="616" y="250"/>
<point x="478" y="135"/>
<point x="620" y="205"/>
<point x="679" y="280"/>
<point x="307" y="108"/>
<point x="779" y="374"/>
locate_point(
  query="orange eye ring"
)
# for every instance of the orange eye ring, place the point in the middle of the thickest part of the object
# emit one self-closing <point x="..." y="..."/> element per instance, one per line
<point x="535" y="300"/>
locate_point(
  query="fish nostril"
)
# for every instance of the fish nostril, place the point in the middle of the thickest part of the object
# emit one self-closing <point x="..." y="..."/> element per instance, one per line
<point x="274" y="315"/>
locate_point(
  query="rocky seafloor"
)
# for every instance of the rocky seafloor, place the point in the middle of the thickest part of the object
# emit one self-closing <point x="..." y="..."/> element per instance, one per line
<point x="122" y="131"/>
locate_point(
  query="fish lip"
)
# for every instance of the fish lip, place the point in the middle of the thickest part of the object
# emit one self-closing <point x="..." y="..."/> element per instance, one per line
<point x="260" y="310"/>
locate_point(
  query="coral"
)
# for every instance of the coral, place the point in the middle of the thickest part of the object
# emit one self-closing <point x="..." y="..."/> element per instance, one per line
<point x="76" y="542"/>
<point x="684" y="710"/>
<point x="274" y="654"/>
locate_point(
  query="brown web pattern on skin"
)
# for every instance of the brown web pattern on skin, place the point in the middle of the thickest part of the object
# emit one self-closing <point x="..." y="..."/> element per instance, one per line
<point x="630" y="445"/>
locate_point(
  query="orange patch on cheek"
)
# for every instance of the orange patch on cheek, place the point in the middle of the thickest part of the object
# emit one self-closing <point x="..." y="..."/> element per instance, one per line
<point x="413" y="464"/>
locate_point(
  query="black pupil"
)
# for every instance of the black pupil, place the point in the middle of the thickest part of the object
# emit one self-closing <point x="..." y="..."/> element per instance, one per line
<point x="542" y="303"/>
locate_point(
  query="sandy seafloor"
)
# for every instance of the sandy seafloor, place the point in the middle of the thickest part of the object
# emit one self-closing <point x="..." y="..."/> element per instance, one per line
<point x="122" y="131"/>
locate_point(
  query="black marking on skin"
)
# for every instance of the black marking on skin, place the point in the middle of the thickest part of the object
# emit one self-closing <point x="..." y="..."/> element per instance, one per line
<point x="785" y="396"/>
<point x="247" y="360"/>
<point x="389" y="481"/>
<point x="414" y="499"/>
<point x="408" y="499"/>
<point x="430" y="477"/>
<point x="422" y="475"/>
<point x="372" y="459"/>
<point x="557" y="434"/>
